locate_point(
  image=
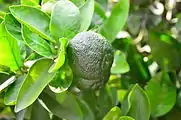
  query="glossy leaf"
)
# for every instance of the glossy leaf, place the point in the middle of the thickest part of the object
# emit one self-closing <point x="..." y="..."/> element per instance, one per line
<point x="36" y="43"/>
<point x="86" y="12"/>
<point x="63" y="105"/>
<point x="165" y="92"/>
<point x="113" y="114"/>
<point x="63" y="79"/>
<point x="65" y="19"/>
<point x="116" y="21"/>
<point x="27" y="17"/>
<point x="13" y="27"/>
<point x="126" y="118"/>
<point x="165" y="50"/>
<point x="11" y="94"/>
<point x="35" y="81"/>
<point x="120" y="64"/>
<point x="137" y="104"/>
<point x="61" y="56"/>
<point x="10" y="53"/>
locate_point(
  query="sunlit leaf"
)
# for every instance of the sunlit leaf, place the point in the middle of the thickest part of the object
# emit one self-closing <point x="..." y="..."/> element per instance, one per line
<point x="35" y="81"/>
<point x="61" y="56"/>
<point x="34" y="3"/>
<point x="10" y="53"/>
<point x="120" y="64"/>
<point x="28" y="18"/>
<point x="126" y="118"/>
<point x="113" y="114"/>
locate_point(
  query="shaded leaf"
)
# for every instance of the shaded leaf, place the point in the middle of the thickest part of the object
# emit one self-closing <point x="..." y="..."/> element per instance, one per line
<point x="38" y="112"/>
<point x="86" y="12"/>
<point x="11" y="94"/>
<point x="116" y="21"/>
<point x="165" y="92"/>
<point x="99" y="10"/>
<point x="36" y="43"/>
<point x="165" y="50"/>
<point x="65" y="19"/>
<point x="63" y="105"/>
<point x="62" y="80"/>
<point x="13" y="27"/>
<point x="137" y="104"/>
<point x="35" y="81"/>
<point x="86" y="111"/>
<point x="33" y="18"/>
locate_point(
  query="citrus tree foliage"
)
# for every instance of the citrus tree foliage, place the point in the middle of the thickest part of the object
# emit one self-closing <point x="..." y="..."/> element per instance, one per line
<point x="38" y="82"/>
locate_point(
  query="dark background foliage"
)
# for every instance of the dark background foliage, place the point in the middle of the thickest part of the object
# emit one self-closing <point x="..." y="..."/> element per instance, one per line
<point x="145" y="81"/>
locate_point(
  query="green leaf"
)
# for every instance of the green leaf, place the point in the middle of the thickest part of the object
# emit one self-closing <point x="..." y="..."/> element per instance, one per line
<point x="34" y="3"/>
<point x="86" y="111"/>
<point x="63" y="105"/>
<point x="116" y="21"/>
<point x="36" y="43"/>
<point x="165" y="92"/>
<point x="113" y="114"/>
<point x="61" y="57"/>
<point x="10" y="53"/>
<point x="1" y="20"/>
<point x="35" y="81"/>
<point x="86" y="12"/>
<point x="38" y="112"/>
<point x="65" y="19"/>
<point x="48" y="7"/>
<point x="62" y="80"/>
<point x="11" y="94"/>
<point x="120" y="64"/>
<point x="137" y="104"/>
<point x="13" y="27"/>
<point x="99" y="10"/>
<point x="2" y="14"/>
<point x="32" y="18"/>
<point x="165" y="50"/>
<point x="5" y="69"/>
<point x="126" y="118"/>
<point x="78" y="2"/>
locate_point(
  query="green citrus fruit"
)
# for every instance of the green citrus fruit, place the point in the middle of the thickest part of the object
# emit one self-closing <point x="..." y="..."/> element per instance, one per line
<point x="90" y="57"/>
